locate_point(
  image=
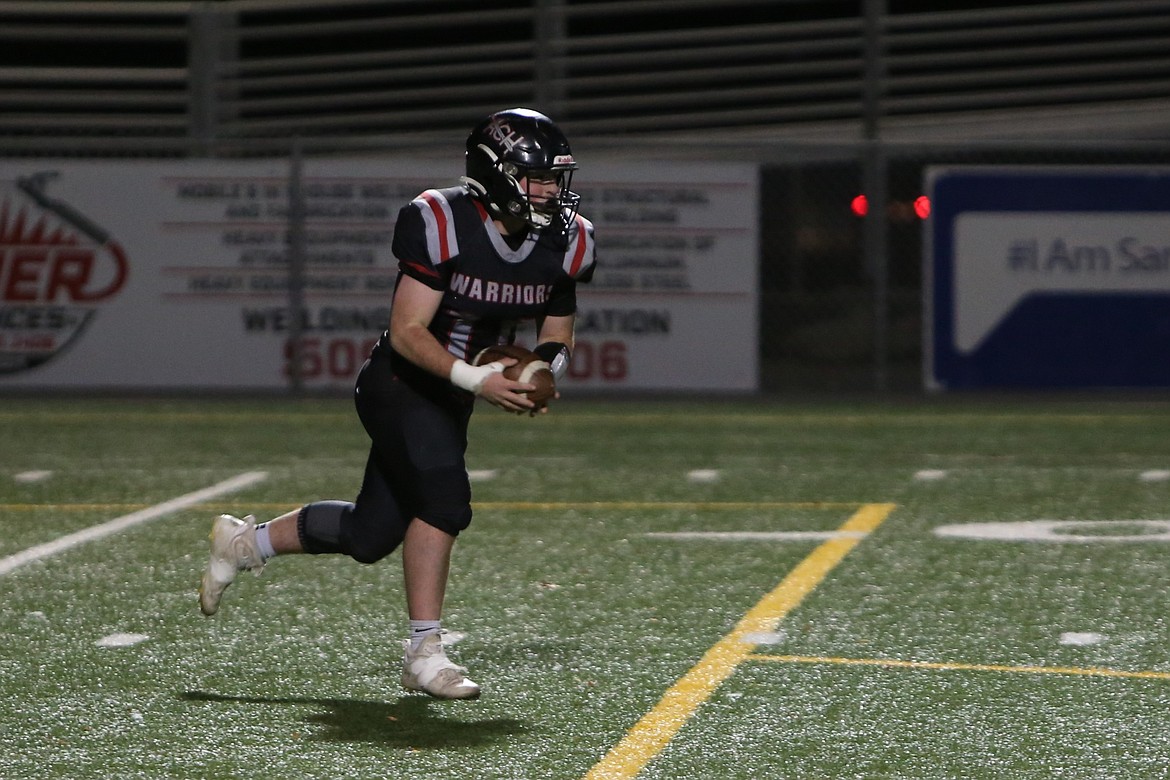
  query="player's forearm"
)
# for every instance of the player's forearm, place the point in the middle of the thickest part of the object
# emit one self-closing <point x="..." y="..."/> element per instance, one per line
<point x="555" y="343"/>
<point x="557" y="329"/>
<point x="415" y="343"/>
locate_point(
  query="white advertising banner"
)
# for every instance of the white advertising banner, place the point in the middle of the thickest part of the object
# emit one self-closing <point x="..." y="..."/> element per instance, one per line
<point x="175" y="274"/>
<point x="1002" y="258"/>
<point x="673" y="303"/>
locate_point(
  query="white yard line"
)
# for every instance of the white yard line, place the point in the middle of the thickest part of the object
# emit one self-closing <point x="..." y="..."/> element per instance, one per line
<point x="238" y="482"/>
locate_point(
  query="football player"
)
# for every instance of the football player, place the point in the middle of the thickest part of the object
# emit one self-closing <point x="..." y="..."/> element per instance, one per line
<point x="476" y="260"/>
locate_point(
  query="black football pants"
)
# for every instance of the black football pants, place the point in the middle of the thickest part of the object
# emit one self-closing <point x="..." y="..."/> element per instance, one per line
<point x="415" y="468"/>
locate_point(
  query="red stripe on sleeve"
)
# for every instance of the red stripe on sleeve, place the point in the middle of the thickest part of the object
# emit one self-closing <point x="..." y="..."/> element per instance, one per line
<point x="422" y="269"/>
<point x="579" y="255"/>
<point x="441" y="221"/>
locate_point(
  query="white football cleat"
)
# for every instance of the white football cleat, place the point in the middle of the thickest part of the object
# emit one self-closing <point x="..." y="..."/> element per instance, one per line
<point x="429" y="670"/>
<point x="233" y="549"/>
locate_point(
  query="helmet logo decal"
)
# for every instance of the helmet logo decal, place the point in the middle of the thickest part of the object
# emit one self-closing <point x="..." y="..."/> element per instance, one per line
<point x="501" y="131"/>
<point x="563" y="159"/>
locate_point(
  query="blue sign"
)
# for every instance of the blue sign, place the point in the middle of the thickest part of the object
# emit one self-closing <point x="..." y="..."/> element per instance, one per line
<point x="1048" y="278"/>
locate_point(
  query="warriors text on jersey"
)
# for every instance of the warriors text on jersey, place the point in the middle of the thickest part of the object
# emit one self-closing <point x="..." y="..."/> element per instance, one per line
<point x="445" y="239"/>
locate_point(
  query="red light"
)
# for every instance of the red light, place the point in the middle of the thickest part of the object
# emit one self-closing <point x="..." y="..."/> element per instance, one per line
<point x="898" y="210"/>
<point x="922" y="206"/>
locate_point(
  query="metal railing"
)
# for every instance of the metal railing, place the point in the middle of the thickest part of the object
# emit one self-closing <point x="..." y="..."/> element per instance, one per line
<point x="108" y="74"/>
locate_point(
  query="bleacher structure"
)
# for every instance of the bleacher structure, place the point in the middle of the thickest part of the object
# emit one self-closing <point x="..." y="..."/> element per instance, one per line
<point x="120" y="75"/>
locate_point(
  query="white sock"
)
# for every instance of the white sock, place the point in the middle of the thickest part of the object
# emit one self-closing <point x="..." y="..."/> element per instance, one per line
<point x="264" y="542"/>
<point x="421" y="629"/>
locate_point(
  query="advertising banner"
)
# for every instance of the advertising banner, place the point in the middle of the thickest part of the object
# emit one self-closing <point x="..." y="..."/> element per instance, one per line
<point x="1048" y="277"/>
<point x="176" y="274"/>
<point x="673" y="303"/>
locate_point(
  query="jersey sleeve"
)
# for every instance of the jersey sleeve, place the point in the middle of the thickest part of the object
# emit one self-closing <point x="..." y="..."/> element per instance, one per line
<point x="579" y="262"/>
<point x="424" y="239"/>
<point x="580" y="257"/>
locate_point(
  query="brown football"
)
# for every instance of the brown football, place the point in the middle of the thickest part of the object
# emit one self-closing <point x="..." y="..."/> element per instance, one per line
<point x="529" y="368"/>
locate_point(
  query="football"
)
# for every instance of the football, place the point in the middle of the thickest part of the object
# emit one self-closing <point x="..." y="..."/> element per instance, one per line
<point x="529" y="368"/>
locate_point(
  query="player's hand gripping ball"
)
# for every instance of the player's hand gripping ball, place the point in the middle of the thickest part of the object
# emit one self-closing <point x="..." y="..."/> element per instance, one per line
<point x="528" y="368"/>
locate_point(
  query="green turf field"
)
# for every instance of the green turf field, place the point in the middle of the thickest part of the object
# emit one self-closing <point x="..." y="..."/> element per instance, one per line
<point x="737" y="589"/>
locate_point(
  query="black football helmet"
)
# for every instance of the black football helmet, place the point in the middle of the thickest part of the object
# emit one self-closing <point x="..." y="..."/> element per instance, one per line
<point x="509" y="146"/>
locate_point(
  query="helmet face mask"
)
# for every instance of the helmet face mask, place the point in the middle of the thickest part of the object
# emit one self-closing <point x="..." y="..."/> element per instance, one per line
<point x="512" y="158"/>
<point x="543" y="205"/>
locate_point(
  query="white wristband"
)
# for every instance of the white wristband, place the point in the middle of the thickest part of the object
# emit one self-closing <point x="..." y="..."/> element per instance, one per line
<point x="471" y="378"/>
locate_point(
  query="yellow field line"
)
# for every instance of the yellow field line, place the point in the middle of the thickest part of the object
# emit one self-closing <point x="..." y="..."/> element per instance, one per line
<point x="515" y="505"/>
<point x="947" y="666"/>
<point x="165" y="416"/>
<point x="941" y="416"/>
<point x="696" y="505"/>
<point x="655" y="730"/>
<point x="68" y="507"/>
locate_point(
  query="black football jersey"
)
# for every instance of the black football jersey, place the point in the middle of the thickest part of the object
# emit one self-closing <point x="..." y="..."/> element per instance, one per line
<point x="445" y="239"/>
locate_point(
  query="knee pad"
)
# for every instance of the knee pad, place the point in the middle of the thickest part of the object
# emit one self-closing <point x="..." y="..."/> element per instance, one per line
<point x="365" y="534"/>
<point x="319" y="526"/>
